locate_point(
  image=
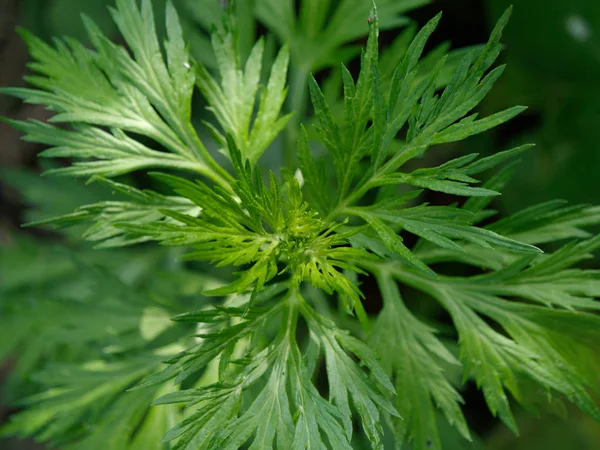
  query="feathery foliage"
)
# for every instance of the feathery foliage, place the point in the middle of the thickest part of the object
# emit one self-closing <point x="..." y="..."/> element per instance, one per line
<point x="238" y="364"/>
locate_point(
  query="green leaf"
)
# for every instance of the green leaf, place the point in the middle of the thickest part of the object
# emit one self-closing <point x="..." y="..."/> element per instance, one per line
<point x="536" y="347"/>
<point x="268" y="419"/>
<point x="347" y="381"/>
<point x="220" y="404"/>
<point x="94" y="390"/>
<point x="440" y="224"/>
<point x="454" y="176"/>
<point x="194" y="360"/>
<point x="312" y="174"/>
<point x="323" y="30"/>
<point x="436" y="184"/>
<point x="549" y="221"/>
<point x="420" y="382"/>
<point x="105" y="87"/>
<point x="233" y="101"/>
<point x="495" y="183"/>
<point x="431" y="119"/>
<point x="299" y="417"/>
<point x="393" y="242"/>
<point x="144" y="207"/>
<point x="462" y="131"/>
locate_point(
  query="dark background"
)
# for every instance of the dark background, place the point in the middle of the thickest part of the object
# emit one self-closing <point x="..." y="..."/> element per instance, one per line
<point x="553" y="56"/>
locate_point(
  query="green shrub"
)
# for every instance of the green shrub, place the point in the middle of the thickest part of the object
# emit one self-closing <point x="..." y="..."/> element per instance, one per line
<point x="285" y="351"/>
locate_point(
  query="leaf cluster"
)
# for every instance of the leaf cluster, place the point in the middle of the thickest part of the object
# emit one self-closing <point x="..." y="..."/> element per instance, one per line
<point x="245" y="364"/>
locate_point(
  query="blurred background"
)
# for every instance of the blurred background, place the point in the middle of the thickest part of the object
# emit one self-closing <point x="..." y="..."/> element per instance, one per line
<point x="553" y="56"/>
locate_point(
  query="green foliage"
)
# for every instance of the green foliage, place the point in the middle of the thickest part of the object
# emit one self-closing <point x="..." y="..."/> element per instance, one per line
<point x="143" y="207"/>
<point x="92" y="317"/>
<point x="419" y="379"/>
<point x="288" y="409"/>
<point x="233" y="101"/>
<point x="238" y="365"/>
<point x="106" y="87"/>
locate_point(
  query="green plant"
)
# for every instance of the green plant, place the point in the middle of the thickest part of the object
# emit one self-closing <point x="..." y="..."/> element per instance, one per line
<point x="237" y="367"/>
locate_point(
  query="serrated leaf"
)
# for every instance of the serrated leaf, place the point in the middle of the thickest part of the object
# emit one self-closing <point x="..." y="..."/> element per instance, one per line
<point x="411" y="352"/>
